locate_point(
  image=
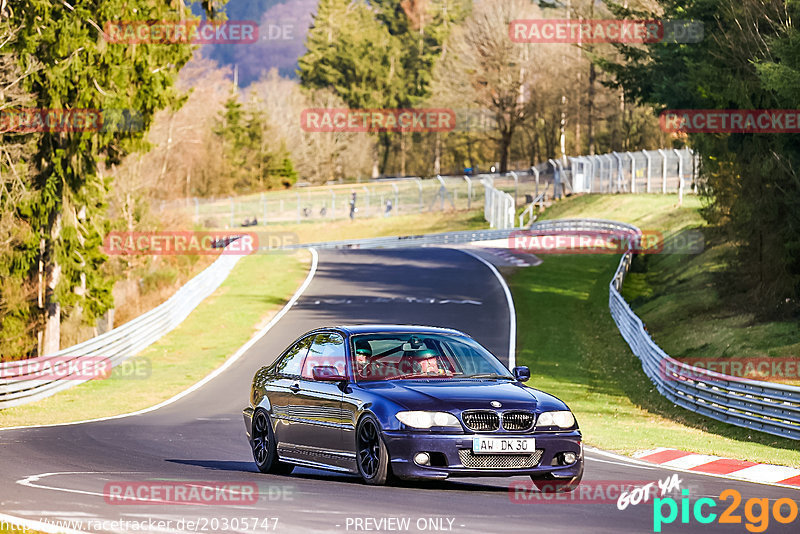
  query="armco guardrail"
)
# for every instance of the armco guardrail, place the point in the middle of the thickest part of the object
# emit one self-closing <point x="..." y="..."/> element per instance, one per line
<point x="118" y="344"/>
<point x="445" y="238"/>
<point x="763" y="406"/>
<point x="585" y="225"/>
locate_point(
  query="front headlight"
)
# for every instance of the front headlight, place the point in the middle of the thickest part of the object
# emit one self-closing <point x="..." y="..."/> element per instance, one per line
<point x="561" y="419"/>
<point x="428" y="419"/>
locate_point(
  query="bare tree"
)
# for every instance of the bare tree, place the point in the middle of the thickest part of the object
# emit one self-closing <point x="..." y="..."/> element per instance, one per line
<point x="482" y="67"/>
<point x="317" y="156"/>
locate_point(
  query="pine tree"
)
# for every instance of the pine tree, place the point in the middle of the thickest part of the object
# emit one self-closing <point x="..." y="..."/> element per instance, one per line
<point x="422" y="26"/>
<point x="352" y="53"/>
<point x="250" y="163"/>
<point x="748" y="59"/>
<point x="77" y="68"/>
<point x="18" y="244"/>
<point x="285" y="172"/>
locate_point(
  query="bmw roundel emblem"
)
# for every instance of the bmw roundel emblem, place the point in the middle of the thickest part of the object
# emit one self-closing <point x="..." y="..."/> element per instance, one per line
<point x="495" y="404"/>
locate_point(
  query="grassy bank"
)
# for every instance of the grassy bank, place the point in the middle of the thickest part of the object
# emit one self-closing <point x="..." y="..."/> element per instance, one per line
<point x="678" y="298"/>
<point x="677" y="295"/>
<point x="257" y="287"/>
<point x="568" y="339"/>
<point x="648" y="212"/>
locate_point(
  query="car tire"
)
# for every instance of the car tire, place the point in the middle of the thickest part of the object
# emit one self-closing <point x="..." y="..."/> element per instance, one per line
<point x="550" y="484"/>
<point x="372" y="456"/>
<point x="265" y="447"/>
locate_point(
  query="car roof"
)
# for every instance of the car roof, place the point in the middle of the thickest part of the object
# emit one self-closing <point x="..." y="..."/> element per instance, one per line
<point x="395" y="328"/>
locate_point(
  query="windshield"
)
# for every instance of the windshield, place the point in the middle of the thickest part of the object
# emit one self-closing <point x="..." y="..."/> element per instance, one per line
<point x="430" y="356"/>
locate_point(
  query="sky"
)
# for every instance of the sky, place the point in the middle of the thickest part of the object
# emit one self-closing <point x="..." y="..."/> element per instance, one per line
<point x="281" y="40"/>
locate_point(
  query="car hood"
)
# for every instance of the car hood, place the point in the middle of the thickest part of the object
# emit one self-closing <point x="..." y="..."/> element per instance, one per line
<point x="462" y="395"/>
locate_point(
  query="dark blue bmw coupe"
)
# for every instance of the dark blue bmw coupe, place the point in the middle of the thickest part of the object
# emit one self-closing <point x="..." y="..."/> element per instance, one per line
<point x="410" y="402"/>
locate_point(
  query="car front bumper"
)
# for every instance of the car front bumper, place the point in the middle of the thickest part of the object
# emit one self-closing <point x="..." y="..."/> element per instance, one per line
<point x="403" y="446"/>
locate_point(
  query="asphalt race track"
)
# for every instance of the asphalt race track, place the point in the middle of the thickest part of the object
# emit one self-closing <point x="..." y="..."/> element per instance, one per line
<point x="59" y="473"/>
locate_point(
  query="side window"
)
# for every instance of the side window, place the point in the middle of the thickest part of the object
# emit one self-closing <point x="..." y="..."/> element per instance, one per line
<point x="328" y="349"/>
<point x="292" y="362"/>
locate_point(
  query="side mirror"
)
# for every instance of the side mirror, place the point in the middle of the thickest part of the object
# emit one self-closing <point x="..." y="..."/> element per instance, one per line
<point x="521" y="373"/>
<point x="327" y="373"/>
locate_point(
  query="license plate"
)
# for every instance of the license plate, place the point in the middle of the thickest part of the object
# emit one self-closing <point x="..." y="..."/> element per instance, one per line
<point x="503" y="445"/>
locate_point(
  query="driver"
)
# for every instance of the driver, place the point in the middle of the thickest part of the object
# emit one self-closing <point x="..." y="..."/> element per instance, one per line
<point x="427" y="362"/>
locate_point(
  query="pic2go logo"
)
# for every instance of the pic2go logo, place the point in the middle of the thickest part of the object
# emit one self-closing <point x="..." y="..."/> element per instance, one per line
<point x="756" y="510"/>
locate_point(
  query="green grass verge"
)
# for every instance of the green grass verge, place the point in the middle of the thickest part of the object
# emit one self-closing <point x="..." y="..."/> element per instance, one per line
<point x="567" y="337"/>
<point x="412" y="224"/>
<point x="256" y="288"/>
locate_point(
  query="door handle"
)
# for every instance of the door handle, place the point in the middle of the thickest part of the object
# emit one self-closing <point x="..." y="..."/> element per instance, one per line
<point x="295" y="388"/>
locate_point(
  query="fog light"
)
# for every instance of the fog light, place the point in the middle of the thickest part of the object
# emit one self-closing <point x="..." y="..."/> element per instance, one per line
<point x="422" y="458"/>
<point x="569" y="458"/>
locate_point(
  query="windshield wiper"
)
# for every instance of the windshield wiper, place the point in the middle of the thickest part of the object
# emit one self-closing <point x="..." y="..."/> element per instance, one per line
<point x="491" y="375"/>
<point x="418" y="375"/>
